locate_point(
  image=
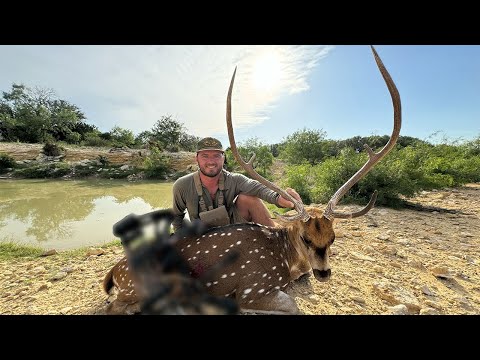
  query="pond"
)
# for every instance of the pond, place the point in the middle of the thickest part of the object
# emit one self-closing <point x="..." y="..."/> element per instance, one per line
<point x="61" y="215"/>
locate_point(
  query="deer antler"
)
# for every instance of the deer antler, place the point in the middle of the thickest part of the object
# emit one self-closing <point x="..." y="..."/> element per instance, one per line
<point x="374" y="158"/>
<point x="302" y="214"/>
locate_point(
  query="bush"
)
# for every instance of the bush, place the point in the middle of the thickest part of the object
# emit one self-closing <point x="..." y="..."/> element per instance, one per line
<point x="6" y="162"/>
<point x="51" y="149"/>
<point x="156" y="165"/>
<point x="54" y="170"/>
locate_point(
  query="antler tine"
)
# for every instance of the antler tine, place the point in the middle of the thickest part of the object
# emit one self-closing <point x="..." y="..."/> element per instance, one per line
<point x="302" y="214"/>
<point x="374" y="158"/>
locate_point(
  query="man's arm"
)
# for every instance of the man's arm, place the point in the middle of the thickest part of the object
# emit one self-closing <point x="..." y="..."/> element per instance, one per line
<point x="179" y="205"/>
<point x="253" y="187"/>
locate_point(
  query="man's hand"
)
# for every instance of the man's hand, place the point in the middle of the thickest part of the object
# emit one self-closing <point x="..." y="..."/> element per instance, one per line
<point x="282" y="202"/>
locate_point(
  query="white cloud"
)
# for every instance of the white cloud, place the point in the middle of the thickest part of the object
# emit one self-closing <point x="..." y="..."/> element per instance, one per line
<point x="133" y="86"/>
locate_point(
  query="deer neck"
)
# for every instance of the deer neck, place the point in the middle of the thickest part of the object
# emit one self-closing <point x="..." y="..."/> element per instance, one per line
<point x="297" y="253"/>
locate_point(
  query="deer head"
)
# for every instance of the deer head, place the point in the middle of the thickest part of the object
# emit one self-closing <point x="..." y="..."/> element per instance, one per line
<point x="313" y="235"/>
<point x="269" y="258"/>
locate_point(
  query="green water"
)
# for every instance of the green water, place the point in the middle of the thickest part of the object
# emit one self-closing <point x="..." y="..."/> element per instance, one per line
<point x="64" y="215"/>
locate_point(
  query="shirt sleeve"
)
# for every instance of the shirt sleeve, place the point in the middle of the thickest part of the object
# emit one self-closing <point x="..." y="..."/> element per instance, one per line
<point x="179" y="205"/>
<point x="252" y="187"/>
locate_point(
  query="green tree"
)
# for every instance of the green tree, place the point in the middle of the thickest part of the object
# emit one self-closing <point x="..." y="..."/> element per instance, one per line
<point x="122" y="137"/>
<point x="35" y="115"/>
<point x="167" y="132"/>
<point x="304" y="145"/>
<point x="263" y="156"/>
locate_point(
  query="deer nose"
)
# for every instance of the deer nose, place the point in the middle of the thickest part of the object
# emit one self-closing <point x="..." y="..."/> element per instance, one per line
<point x="322" y="275"/>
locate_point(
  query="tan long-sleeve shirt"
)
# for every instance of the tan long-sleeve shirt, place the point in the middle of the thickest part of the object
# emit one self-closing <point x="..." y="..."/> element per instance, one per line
<point x="185" y="196"/>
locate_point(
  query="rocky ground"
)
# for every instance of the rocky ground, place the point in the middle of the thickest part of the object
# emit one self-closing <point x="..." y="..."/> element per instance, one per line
<point x="415" y="261"/>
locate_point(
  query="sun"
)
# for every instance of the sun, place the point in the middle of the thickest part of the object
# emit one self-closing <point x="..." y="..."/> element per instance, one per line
<point x="267" y="71"/>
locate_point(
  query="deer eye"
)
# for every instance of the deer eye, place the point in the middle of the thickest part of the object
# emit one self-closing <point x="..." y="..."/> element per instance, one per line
<point x="306" y="241"/>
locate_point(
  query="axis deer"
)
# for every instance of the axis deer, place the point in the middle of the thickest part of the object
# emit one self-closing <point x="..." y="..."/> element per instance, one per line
<point x="270" y="258"/>
<point x="162" y="279"/>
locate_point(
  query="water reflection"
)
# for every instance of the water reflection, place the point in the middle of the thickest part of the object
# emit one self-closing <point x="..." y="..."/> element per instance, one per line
<point x="71" y="214"/>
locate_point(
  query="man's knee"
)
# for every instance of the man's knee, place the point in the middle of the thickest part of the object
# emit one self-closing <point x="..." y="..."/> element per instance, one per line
<point x="246" y="200"/>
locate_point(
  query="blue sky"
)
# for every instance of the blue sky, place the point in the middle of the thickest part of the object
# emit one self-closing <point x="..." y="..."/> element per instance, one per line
<point x="278" y="89"/>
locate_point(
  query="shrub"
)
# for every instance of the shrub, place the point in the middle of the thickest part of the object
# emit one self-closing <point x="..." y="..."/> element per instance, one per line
<point x="6" y="162"/>
<point x="156" y="165"/>
<point x="52" y="149"/>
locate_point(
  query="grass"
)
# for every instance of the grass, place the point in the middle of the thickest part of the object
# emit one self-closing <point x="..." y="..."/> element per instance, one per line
<point x="12" y="250"/>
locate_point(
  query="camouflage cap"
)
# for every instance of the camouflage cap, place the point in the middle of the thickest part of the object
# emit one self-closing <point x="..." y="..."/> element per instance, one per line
<point x="209" y="143"/>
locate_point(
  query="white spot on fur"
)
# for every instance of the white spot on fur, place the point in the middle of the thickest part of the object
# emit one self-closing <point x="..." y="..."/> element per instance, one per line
<point x="224" y="276"/>
<point x="261" y="291"/>
<point x="227" y="250"/>
<point x="273" y="268"/>
<point x="207" y="251"/>
<point x="229" y="234"/>
<point x="280" y="278"/>
<point x="222" y="234"/>
<point x="214" y="246"/>
<point x="189" y="245"/>
<point x="264" y="275"/>
<point x="262" y="257"/>
<point x="277" y="287"/>
<point x="232" y="274"/>
<point x="198" y="252"/>
<point x="243" y="266"/>
<point x="247" y="291"/>
<point x="239" y="242"/>
<point x="208" y="284"/>
<point x="247" y="261"/>
<point x="239" y="229"/>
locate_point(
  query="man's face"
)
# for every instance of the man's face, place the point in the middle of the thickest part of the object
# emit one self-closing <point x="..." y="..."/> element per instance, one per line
<point x="210" y="162"/>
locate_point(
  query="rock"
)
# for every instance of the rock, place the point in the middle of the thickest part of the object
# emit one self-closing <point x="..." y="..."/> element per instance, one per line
<point x="94" y="251"/>
<point x="396" y="295"/>
<point x="59" y="275"/>
<point x="426" y="290"/>
<point x="399" y="309"/>
<point x="428" y="311"/>
<point x="441" y="272"/>
<point x="49" y="252"/>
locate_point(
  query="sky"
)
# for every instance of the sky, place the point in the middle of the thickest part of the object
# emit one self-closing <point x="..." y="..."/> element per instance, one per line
<point x="278" y="89"/>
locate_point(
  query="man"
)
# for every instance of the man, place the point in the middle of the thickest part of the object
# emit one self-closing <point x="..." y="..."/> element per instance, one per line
<point x="219" y="197"/>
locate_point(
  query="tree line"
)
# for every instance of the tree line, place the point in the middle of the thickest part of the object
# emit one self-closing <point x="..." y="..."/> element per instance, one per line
<point x="36" y="115"/>
<point x="314" y="165"/>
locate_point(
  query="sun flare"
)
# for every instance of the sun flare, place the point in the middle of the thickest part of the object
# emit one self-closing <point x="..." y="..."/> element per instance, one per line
<point x="267" y="71"/>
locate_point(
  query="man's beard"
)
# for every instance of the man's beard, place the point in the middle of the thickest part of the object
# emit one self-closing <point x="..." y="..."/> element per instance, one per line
<point x="211" y="172"/>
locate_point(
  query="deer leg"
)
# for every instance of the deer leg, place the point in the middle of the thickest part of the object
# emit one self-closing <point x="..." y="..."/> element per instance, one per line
<point x="275" y="303"/>
<point x="118" y="307"/>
